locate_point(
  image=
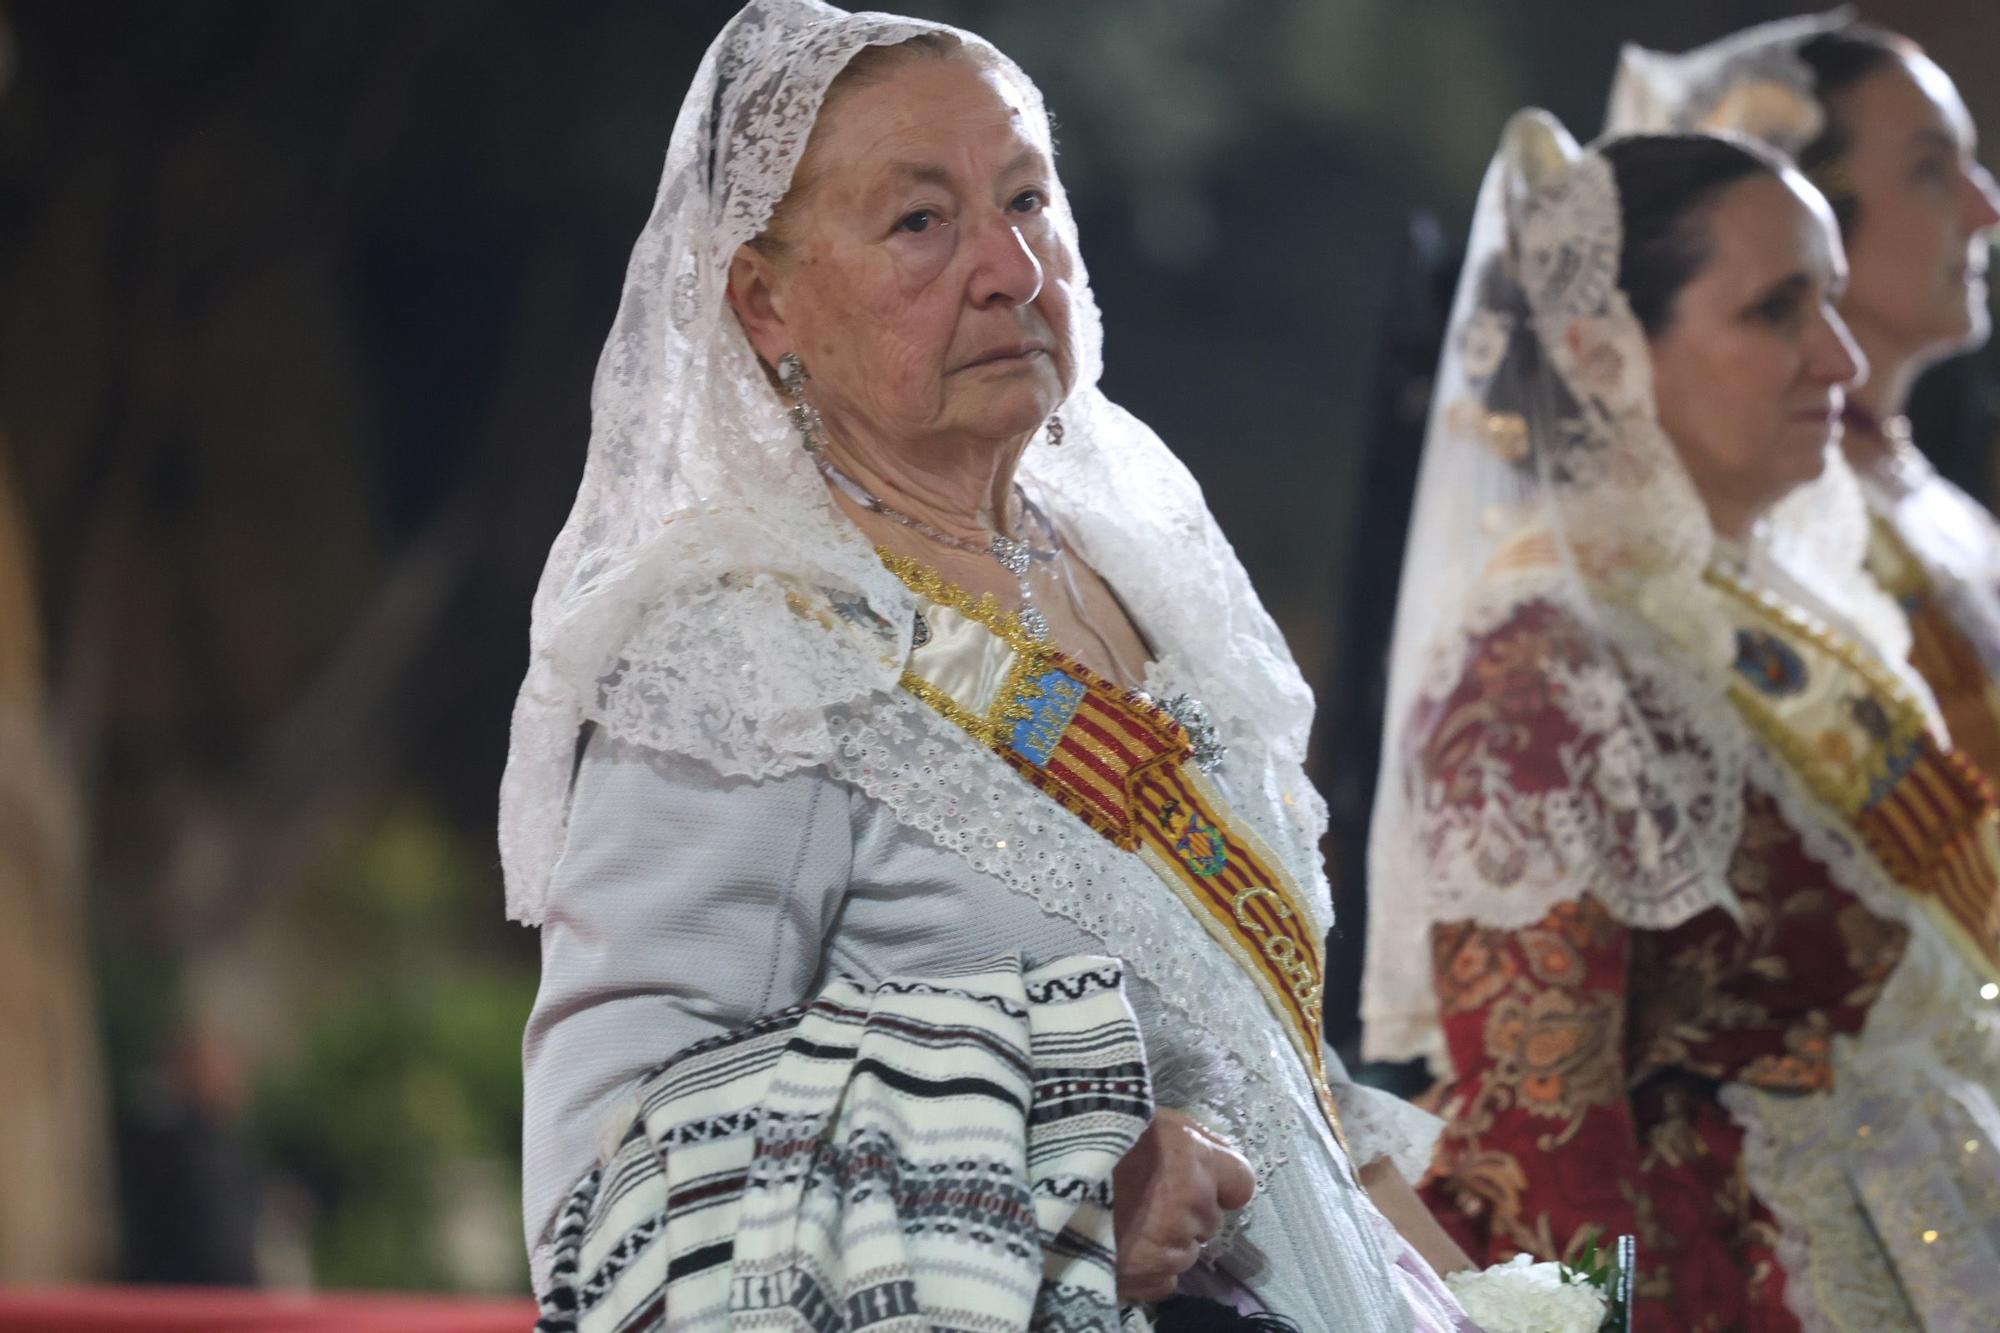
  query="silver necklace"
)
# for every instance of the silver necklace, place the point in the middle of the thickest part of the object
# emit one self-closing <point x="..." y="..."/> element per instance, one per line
<point x="1012" y="554"/>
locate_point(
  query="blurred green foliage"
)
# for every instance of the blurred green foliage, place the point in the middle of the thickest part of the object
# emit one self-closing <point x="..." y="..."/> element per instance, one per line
<point x="408" y="1060"/>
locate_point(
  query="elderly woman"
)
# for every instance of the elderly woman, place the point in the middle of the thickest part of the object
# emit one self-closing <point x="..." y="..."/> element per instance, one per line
<point x="1881" y="129"/>
<point x="872" y="650"/>
<point x="1675" y="879"/>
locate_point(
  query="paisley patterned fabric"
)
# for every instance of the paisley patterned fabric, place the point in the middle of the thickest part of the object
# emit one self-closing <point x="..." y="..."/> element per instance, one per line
<point x="1611" y="1079"/>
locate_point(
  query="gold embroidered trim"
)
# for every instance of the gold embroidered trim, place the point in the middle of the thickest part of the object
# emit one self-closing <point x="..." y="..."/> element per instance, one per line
<point x="1846" y="784"/>
<point x="1941" y="650"/>
<point x="1288" y="967"/>
<point x="985" y="732"/>
<point x="1031" y="657"/>
<point x="927" y="583"/>
<point x="1920" y="808"/>
<point x="1892" y="563"/>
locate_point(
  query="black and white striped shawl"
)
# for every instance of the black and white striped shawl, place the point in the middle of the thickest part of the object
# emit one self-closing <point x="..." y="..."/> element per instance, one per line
<point x="927" y="1154"/>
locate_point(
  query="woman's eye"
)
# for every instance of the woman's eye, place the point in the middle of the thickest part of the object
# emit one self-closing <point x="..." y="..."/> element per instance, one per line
<point x="1781" y="309"/>
<point x="1932" y="170"/>
<point x="1029" y="201"/>
<point x="920" y="221"/>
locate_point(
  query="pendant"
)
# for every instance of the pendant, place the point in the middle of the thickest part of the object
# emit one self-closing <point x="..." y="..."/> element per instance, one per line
<point x="1034" y="623"/>
<point x="1012" y="554"/>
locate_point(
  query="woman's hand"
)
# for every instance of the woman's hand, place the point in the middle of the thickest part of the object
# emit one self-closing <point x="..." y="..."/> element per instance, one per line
<point x="1169" y="1194"/>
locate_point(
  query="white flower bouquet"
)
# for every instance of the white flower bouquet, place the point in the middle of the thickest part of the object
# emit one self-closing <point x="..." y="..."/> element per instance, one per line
<point x="1522" y="1296"/>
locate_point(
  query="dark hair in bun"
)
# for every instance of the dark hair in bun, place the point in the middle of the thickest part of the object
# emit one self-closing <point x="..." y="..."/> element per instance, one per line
<point x="1666" y="186"/>
<point x="1839" y="60"/>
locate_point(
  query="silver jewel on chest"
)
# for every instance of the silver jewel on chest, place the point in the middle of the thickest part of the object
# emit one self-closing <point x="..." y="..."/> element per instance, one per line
<point x="1202" y="735"/>
<point x="1012" y="554"/>
<point x="1034" y="623"/>
<point x="921" y="635"/>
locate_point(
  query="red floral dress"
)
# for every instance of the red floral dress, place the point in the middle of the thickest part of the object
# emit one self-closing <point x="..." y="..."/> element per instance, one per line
<point x="1589" y="1055"/>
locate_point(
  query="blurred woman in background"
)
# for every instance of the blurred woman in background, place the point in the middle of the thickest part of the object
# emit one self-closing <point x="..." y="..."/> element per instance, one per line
<point x="1882" y="131"/>
<point x="1675" y="879"/>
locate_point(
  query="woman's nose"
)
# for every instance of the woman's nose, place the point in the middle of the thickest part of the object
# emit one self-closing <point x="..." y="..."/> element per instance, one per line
<point x="1005" y="270"/>
<point x="1982" y="201"/>
<point x="1836" y="358"/>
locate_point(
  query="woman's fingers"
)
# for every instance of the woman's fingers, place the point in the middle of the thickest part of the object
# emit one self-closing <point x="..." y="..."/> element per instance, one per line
<point x="1152" y="1273"/>
<point x="1172" y="1191"/>
<point x="1157" y="1287"/>
<point x="1235" y="1182"/>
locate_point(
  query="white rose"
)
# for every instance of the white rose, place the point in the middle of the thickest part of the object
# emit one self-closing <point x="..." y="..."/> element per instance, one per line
<point x="1523" y="1296"/>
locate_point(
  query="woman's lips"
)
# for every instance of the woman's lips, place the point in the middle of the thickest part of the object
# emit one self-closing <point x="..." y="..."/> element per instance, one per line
<point x="1016" y="352"/>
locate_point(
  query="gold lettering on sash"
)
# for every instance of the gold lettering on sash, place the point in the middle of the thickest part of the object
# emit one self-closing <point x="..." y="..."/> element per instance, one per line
<point x="1297" y="969"/>
<point x="1281" y="909"/>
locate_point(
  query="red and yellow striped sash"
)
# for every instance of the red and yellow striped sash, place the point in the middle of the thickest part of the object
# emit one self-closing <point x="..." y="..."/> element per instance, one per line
<point x="1940" y="651"/>
<point x="1123" y="766"/>
<point x="1852" y="733"/>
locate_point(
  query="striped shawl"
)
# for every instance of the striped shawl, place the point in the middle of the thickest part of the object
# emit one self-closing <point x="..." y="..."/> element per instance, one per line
<point x="928" y="1154"/>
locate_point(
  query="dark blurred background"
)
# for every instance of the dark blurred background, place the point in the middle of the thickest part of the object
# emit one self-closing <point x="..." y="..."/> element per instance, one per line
<point x="299" y="304"/>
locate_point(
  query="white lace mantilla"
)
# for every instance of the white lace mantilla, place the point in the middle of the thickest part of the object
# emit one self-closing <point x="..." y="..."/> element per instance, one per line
<point x="1751" y="82"/>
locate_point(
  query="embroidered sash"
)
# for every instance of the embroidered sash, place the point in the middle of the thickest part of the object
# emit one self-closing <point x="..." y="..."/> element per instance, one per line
<point x="1862" y="745"/>
<point x="1939" y="650"/>
<point x="1124" y="767"/>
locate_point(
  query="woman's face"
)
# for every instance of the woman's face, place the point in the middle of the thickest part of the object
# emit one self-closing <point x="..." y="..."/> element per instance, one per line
<point x="1925" y="207"/>
<point x="1750" y="372"/>
<point x="920" y="279"/>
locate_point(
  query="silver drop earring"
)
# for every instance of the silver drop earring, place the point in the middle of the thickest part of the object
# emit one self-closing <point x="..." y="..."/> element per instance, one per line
<point x="792" y="375"/>
<point x="1055" y="430"/>
<point x="792" y="378"/>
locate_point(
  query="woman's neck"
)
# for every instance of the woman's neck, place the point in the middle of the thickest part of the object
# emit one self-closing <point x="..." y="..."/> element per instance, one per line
<point x="961" y="487"/>
<point x="1884" y="394"/>
<point x="1732" y="518"/>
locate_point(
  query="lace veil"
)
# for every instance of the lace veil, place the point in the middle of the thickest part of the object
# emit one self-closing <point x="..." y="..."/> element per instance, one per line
<point x="1547" y="484"/>
<point x="1751" y="82"/>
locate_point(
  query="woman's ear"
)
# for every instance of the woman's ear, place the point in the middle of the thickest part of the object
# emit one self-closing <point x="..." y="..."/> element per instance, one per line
<point x="753" y="296"/>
